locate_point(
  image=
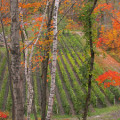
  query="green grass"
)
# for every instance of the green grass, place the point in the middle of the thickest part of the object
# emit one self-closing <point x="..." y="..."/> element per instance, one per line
<point x="99" y="111"/>
<point x="2" y="49"/>
<point x="54" y="116"/>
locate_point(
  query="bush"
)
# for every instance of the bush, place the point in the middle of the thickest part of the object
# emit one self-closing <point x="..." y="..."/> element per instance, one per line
<point x="68" y="86"/>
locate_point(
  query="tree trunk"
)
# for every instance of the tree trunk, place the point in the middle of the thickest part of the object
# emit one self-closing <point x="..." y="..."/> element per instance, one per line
<point x="27" y="70"/>
<point x="52" y="89"/>
<point x="38" y="86"/>
<point x="28" y="66"/>
<point x="90" y="74"/>
<point x="91" y="62"/>
<point x="15" y="61"/>
<point x="23" y="37"/>
<point x="33" y="106"/>
<point x="44" y="87"/>
<point x="29" y="84"/>
<point x="45" y="66"/>
<point x="9" y="68"/>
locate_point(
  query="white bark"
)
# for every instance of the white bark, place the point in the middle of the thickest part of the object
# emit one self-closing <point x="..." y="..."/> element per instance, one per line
<point x="52" y="89"/>
<point x="28" y="65"/>
<point x="27" y="70"/>
<point x="21" y="21"/>
<point x="30" y="86"/>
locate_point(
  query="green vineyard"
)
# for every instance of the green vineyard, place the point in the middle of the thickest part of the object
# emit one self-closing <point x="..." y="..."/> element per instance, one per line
<point x="71" y="85"/>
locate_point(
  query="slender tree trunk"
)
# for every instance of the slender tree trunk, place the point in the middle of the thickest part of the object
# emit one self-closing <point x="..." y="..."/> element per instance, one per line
<point x="38" y="86"/>
<point x="29" y="84"/>
<point x="9" y="68"/>
<point x="52" y="89"/>
<point x="45" y="66"/>
<point x="15" y="61"/>
<point x="90" y="74"/>
<point x="28" y="70"/>
<point x="44" y="87"/>
<point x="91" y="63"/>
<point x="23" y="37"/>
<point x="34" y="110"/>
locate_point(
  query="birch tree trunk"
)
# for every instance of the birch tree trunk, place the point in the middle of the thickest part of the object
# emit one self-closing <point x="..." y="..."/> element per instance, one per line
<point x="52" y="89"/>
<point x="30" y="87"/>
<point x="44" y="65"/>
<point x="15" y="61"/>
<point x="28" y="70"/>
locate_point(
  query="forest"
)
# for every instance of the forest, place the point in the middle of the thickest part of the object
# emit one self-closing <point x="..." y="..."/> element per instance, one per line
<point x="59" y="60"/>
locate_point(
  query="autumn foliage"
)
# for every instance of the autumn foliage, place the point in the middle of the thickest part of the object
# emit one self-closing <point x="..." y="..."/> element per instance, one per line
<point x="109" y="78"/>
<point x="3" y="116"/>
<point x="109" y="36"/>
<point x="103" y="7"/>
<point x="5" y="11"/>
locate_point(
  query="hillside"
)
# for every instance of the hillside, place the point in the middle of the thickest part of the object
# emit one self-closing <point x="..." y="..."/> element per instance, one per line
<point x="70" y="84"/>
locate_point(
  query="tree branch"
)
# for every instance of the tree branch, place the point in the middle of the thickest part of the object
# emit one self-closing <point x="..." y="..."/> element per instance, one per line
<point x="95" y="2"/>
<point x="66" y="13"/>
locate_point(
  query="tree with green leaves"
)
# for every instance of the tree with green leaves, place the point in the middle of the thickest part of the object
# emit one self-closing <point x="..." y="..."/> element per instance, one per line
<point x="86" y="18"/>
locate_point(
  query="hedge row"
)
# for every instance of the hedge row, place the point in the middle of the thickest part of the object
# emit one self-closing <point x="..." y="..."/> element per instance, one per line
<point x="68" y="86"/>
<point x="100" y="95"/>
<point x="93" y="97"/>
<point x="63" y="96"/>
<point x="79" y="92"/>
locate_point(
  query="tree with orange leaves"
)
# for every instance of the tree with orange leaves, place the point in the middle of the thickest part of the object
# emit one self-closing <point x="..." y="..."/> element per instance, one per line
<point x="109" y="36"/>
<point x="109" y="78"/>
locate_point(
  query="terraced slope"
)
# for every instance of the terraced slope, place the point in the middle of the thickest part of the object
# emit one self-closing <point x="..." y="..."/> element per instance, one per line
<point x="70" y="84"/>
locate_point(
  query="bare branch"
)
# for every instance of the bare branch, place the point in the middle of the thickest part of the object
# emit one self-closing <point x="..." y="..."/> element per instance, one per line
<point x="66" y="13"/>
<point x="95" y="2"/>
<point x="39" y="34"/>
